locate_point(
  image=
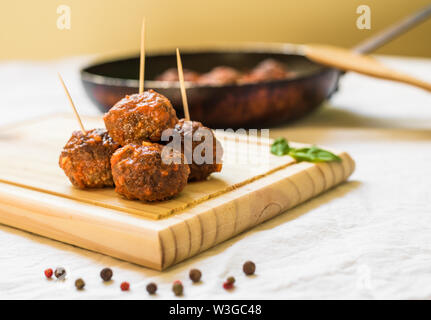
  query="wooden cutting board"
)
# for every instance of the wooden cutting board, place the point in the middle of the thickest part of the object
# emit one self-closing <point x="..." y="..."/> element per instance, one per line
<point x="253" y="186"/>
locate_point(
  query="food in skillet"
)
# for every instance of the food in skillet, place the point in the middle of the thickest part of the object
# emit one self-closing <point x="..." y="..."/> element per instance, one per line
<point x="199" y="136"/>
<point x="140" y="117"/>
<point x="85" y="159"/>
<point x="146" y="173"/>
<point x="266" y="70"/>
<point x="172" y="75"/>
<point x="220" y="76"/>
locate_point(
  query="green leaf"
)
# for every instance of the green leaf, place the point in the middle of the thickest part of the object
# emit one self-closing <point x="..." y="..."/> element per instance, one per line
<point x="313" y="154"/>
<point x="280" y="147"/>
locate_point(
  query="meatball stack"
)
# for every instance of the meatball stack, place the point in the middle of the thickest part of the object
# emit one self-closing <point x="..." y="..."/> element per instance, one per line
<point x="130" y="155"/>
<point x="138" y="168"/>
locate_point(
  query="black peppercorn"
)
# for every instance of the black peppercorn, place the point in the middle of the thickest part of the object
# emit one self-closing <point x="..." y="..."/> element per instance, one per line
<point x="79" y="284"/>
<point x="195" y="275"/>
<point x="152" y="288"/>
<point x="106" y="274"/>
<point x="177" y="288"/>
<point x="249" y="268"/>
<point x="60" y="273"/>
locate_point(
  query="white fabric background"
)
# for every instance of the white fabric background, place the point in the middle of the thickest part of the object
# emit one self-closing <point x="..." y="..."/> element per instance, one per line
<point x="369" y="238"/>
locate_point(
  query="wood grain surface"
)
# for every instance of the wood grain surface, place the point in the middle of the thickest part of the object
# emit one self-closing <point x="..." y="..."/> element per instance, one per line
<point x="36" y="196"/>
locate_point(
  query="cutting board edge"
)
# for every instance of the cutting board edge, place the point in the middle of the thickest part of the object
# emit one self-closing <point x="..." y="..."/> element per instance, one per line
<point x="70" y="221"/>
<point x="272" y="195"/>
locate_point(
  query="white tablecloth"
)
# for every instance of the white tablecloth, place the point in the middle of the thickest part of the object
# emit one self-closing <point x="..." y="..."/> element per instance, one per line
<point x="369" y="238"/>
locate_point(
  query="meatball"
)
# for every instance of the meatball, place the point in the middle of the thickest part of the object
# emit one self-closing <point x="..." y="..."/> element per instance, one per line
<point x="172" y="75"/>
<point x="143" y="172"/>
<point x="220" y="76"/>
<point x="140" y="117"/>
<point x="194" y="130"/>
<point x="85" y="159"/>
<point x="268" y="69"/>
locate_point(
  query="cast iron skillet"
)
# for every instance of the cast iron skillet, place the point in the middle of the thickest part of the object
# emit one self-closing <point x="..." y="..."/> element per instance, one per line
<point x="254" y="105"/>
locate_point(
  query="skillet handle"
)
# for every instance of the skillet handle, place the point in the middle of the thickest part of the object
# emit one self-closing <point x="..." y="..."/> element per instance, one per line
<point x="393" y="31"/>
<point x="347" y="60"/>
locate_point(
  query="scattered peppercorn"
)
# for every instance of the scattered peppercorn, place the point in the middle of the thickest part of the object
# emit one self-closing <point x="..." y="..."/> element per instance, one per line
<point x="177" y="288"/>
<point x="230" y="280"/>
<point x="227" y="285"/>
<point x="152" y="288"/>
<point x="106" y="274"/>
<point x="60" y="273"/>
<point x="249" y="268"/>
<point x="125" y="286"/>
<point x="79" y="284"/>
<point x="195" y="275"/>
<point x="48" y="273"/>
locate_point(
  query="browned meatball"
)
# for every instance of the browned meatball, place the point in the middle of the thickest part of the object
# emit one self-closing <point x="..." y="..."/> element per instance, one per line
<point x="142" y="172"/>
<point x="172" y="75"/>
<point x="194" y="130"/>
<point x="268" y="69"/>
<point x="219" y="76"/>
<point x="140" y="117"/>
<point x="85" y="159"/>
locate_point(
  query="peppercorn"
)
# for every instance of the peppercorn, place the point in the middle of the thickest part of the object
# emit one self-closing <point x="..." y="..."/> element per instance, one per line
<point x="125" y="286"/>
<point x="106" y="274"/>
<point x="60" y="273"/>
<point x="195" y="275"/>
<point x="227" y="285"/>
<point x="48" y="273"/>
<point x="230" y="280"/>
<point x="177" y="288"/>
<point x="249" y="268"/>
<point x="79" y="284"/>
<point x="151" y="288"/>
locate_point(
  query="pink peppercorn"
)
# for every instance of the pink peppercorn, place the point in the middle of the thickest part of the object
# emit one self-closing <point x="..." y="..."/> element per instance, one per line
<point x="48" y="273"/>
<point x="125" y="286"/>
<point x="228" y="285"/>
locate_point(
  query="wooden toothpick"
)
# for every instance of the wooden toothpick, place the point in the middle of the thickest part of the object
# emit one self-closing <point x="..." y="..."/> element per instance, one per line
<point x="72" y="104"/>
<point x="183" y="87"/>
<point x="142" y="64"/>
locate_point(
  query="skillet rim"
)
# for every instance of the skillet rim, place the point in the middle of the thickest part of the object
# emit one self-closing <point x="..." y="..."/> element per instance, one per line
<point x="269" y="48"/>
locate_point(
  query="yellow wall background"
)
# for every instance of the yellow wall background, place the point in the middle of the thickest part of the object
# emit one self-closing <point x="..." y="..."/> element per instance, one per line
<point x="28" y="28"/>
